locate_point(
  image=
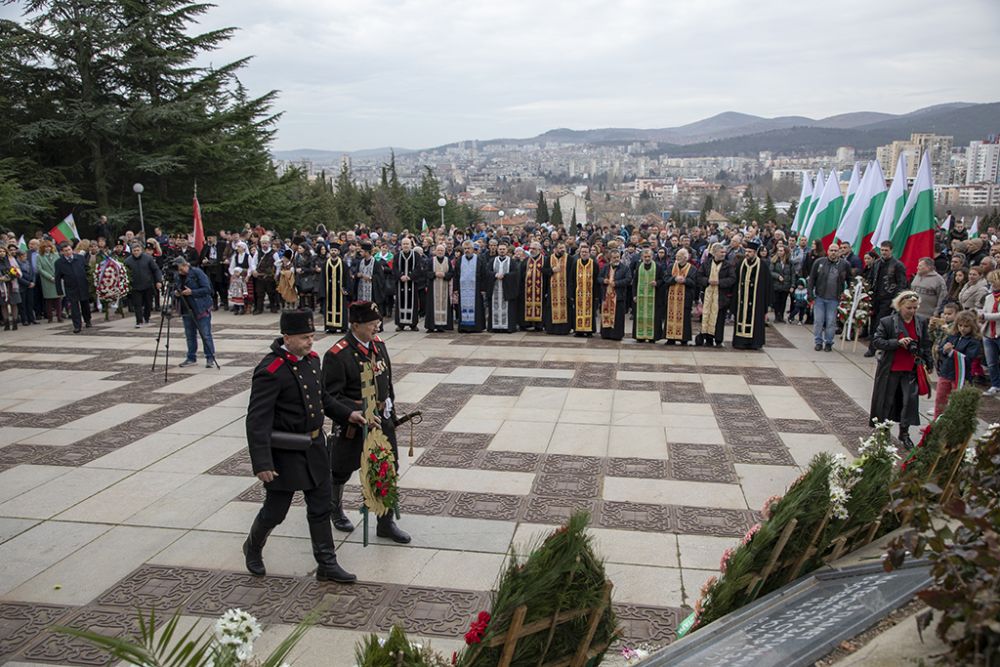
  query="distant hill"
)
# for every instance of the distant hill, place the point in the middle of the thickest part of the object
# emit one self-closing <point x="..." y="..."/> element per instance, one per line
<point x="333" y="156"/>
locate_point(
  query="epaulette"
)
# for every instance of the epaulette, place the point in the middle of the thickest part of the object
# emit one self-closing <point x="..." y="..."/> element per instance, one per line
<point x="313" y="354"/>
<point x="275" y="365"/>
<point x="339" y="346"/>
<point x="377" y="339"/>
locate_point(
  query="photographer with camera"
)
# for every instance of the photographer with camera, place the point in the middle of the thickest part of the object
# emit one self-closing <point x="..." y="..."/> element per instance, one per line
<point x="193" y="290"/>
<point x="145" y="276"/>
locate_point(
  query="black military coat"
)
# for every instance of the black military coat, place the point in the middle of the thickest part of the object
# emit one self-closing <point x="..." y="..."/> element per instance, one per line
<point x="342" y="365"/>
<point x="287" y="394"/>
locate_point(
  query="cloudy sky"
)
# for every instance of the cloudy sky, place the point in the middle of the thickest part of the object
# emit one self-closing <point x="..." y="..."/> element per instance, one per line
<point x="420" y="73"/>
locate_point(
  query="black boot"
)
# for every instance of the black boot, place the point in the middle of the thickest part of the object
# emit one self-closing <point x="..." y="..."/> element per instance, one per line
<point x="253" y="548"/>
<point x="326" y="557"/>
<point x="387" y="528"/>
<point x="340" y="520"/>
<point x="904" y="439"/>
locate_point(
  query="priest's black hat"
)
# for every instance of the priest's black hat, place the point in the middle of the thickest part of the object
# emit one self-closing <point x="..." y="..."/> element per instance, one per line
<point x="753" y="244"/>
<point x="295" y="322"/>
<point x="363" y="311"/>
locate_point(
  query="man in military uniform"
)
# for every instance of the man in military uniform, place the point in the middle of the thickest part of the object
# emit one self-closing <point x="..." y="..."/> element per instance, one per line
<point x="342" y="366"/>
<point x="288" y="446"/>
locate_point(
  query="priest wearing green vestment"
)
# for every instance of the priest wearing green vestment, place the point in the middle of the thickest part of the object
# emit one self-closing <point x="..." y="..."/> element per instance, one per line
<point x="647" y="291"/>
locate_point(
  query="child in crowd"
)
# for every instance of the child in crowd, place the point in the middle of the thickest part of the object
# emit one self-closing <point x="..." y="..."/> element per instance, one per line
<point x="800" y="302"/>
<point x="961" y="343"/>
<point x="286" y="282"/>
<point x="237" y="290"/>
<point x="990" y="318"/>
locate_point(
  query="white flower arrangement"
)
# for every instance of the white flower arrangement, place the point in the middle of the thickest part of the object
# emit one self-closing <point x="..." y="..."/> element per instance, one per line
<point x="879" y="443"/>
<point x="236" y="629"/>
<point x="842" y="477"/>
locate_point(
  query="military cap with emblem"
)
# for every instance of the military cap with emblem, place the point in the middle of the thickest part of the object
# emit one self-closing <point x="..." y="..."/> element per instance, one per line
<point x="295" y="322"/>
<point x="363" y="311"/>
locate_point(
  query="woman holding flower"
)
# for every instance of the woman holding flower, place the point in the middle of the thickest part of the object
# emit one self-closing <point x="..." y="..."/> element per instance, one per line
<point x="10" y="294"/>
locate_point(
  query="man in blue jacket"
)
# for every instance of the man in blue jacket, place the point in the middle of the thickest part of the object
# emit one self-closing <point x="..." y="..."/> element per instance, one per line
<point x="194" y="293"/>
<point x="71" y="280"/>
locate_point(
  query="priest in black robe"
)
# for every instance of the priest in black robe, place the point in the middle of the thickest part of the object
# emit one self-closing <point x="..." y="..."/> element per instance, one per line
<point x="585" y="290"/>
<point x="615" y="281"/>
<point x="438" y="313"/>
<point x="337" y="289"/>
<point x="681" y="291"/>
<point x="407" y="272"/>
<point x="471" y="281"/>
<point x="753" y="294"/>
<point x="557" y="310"/>
<point x="648" y="299"/>
<point x="717" y="279"/>
<point x="503" y="292"/>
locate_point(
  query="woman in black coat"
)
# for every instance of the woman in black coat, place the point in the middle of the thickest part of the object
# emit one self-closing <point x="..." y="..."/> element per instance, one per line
<point x="902" y="343"/>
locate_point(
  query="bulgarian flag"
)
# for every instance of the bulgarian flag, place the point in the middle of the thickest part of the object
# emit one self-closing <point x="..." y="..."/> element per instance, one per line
<point x="826" y="217"/>
<point x="199" y="229"/>
<point x="803" y="208"/>
<point x="974" y="228"/>
<point x="65" y="231"/>
<point x="816" y="190"/>
<point x="895" y="200"/>
<point x="913" y="236"/>
<point x="22" y="244"/>
<point x="852" y="187"/>
<point x="958" y="359"/>
<point x="423" y="225"/>
<point x="860" y="217"/>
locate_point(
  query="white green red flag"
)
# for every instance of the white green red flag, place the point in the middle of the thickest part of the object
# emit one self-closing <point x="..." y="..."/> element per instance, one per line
<point x="199" y="229"/>
<point x="817" y="189"/>
<point x="823" y="225"/>
<point x="913" y="236"/>
<point x="802" y="210"/>
<point x="974" y="228"/>
<point x="859" y="219"/>
<point x="852" y="186"/>
<point x="65" y="230"/>
<point x="895" y="200"/>
<point x="22" y="244"/>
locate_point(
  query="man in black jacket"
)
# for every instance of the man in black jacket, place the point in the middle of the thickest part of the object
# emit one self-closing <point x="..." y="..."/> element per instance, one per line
<point x="71" y="280"/>
<point x="212" y="262"/>
<point x="288" y="447"/>
<point x="145" y="276"/>
<point x="888" y="280"/>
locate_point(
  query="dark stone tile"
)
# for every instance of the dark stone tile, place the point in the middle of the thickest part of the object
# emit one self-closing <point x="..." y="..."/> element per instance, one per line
<point x="497" y="506"/>
<point x="639" y="468"/>
<point x="764" y="376"/>
<point x="263" y="597"/>
<point x="237" y="465"/>
<point x="503" y="386"/>
<point x="22" y="622"/>
<point x="18" y="454"/>
<point x="682" y="392"/>
<point x="701" y="463"/>
<point x="551" y="382"/>
<point x="799" y="426"/>
<point x="255" y="494"/>
<point x="449" y="458"/>
<point x="63" y="649"/>
<point x="352" y="606"/>
<point x="716" y="521"/>
<point x="74" y="455"/>
<point x="452" y="439"/>
<point x="759" y="437"/>
<point x="776" y="455"/>
<point x="433" y="611"/>
<point x="424" y="501"/>
<point x="592" y="381"/>
<point x="547" y="509"/>
<point x="567" y="485"/>
<point x="746" y="423"/>
<point x="156" y="586"/>
<point x="636" y="516"/>
<point x="648" y="625"/>
<point x="637" y="385"/>
<point x="573" y="465"/>
<point x="510" y="461"/>
<point x="561" y="365"/>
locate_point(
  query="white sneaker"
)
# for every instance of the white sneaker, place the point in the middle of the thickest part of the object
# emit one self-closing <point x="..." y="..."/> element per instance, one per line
<point x="992" y="391"/>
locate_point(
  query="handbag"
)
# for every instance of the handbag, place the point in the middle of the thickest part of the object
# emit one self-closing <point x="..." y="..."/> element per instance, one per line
<point x="923" y="384"/>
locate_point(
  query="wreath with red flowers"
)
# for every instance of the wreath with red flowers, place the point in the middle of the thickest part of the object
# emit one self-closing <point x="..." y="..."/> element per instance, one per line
<point x="381" y="477"/>
<point x="477" y="628"/>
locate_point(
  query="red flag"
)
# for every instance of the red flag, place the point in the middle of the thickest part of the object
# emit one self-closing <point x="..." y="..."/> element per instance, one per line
<point x="199" y="230"/>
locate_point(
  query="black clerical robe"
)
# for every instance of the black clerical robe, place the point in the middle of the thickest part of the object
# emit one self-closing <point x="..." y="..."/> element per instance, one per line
<point x="753" y="293"/>
<point x="337" y="288"/>
<point x="410" y="266"/>
<point x="557" y="311"/>
<point x="614" y="300"/>
<point x="502" y="295"/>
<point x="438" y="313"/>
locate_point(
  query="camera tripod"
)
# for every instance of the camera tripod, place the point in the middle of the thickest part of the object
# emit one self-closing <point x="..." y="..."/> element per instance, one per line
<point x="167" y="302"/>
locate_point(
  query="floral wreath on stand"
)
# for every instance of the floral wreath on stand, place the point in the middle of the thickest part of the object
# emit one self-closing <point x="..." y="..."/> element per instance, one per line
<point x="854" y="309"/>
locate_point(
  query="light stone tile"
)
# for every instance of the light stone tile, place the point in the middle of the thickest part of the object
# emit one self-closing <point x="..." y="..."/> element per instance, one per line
<point x="206" y="421"/>
<point x="92" y="569"/>
<point x="11" y="528"/>
<point x="647" y="442"/>
<point x="52" y="497"/>
<point x="725" y="384"/>
<point x="144" y="452"/>
<point x="843" y="370"/>
<point x="760" y="390"/>
<point x="224" y="551"/>
<point x="800" y="369"/>
<point x="586" y="417"/>
<point x="561" y="373"/>
<point x="690" y="409"/>
<point x="636" y="401"/>
<point x="543" y="397"/>
<point x="703" y="551"/>
<point x="695" y="436"/>
<point x="579" y="439"/>
<point x="529" y="535"/>
<point x="25" y="477"/>
<point x="637" y="419"/>
<point x="760" y="482"/>
<point x="13" y="434"/>
<point x="658" y="376"/>
<point x="540" y="414"/>
<point x="674" y="492"/>
<point x="693" y="581"/>
<point x="645" y="585"/>
<point x="191" y="502"/>
<point x="58" y="437"/>
<point x="411" y="392"/>
<point x="595" y="400"/>
<point x="491" y="402"/>
<point x="199" y="456"/>
<point x="804" y="446"/>
<point x="191" y="385"/>
<point x="461" y="569"/>
<point x="634" y="547"/>
<point x="383" y="563"/>
<point x="454" y="479"/>
<point x="234" y="429"/>
<point x="320" y="647"/>
<point x="123" y="499"/>
<point x="689" y="422"/>
<point x="102" y="419"/>
<point x="39" y="406"/>
<point x="468" y="375"/>
<point x="240" y="400"/>
<point x="237" y="516"/>
<point x="784" y="407"/>
<point x="445" y="532"/>
<point x="469" y="425"/>
<point x="46" y="544"/>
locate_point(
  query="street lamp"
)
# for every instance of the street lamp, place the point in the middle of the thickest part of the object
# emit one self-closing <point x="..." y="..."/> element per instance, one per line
<point x="441" y="203"/>
<point x="500" y="215"/>
<point x="137" y="189"/>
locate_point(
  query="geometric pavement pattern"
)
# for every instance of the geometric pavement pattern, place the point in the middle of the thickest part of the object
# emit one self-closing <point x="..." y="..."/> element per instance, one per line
<point x="118" y="490"/>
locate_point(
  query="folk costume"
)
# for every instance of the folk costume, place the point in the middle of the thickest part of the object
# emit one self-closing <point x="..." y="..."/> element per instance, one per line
<point x="585" y="288"/>
<point x="715" y="300"/>
<point x="265" y="282"/>
<point x="408" y="265"/>
<point x="504" y="289"/>
<point x="753" y="294"/>
<point x="680" y="298"/>
<point x="438" y="313"/>
<point x="336" y="282"/>
<point x="471" y="279"/>
<point x="342" y="368"/>
<point x="614" y="300"/>
<point x="530" y="306"/>
<point x="647" y="286"/>
<point x="284" y="426"/>
<point x="557" y="315"/>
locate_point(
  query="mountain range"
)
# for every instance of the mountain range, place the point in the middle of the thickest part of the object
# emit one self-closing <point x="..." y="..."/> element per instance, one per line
<point x="735" y="133"/>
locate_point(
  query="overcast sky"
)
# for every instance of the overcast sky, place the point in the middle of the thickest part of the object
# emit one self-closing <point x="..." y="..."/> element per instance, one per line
<point x="420" y="73"/>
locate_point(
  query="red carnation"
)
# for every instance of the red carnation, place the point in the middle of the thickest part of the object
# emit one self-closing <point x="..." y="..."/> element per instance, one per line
<point x="385" y="492"/>
<point x="372" y="457"/>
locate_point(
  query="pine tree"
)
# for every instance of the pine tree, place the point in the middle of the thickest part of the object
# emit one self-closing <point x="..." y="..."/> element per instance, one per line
<point x="542" y="212"/>
<point x="770" y="213"/>
<point x="792" y="210"/>
<point x="706" y="208"/>
<point x="750" y="210"/>
<point x="557" y="219"/>
<point x="573" y="224"/>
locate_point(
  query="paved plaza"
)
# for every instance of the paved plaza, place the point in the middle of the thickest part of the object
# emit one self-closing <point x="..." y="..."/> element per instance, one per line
<point x="118" y="490"/>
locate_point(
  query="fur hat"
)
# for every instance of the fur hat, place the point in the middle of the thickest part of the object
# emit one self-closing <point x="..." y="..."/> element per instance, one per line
<point x="294" y="322"/>
<point x="363" y="311"/>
